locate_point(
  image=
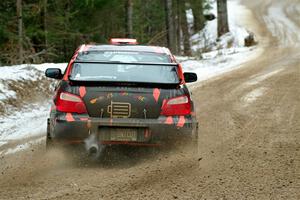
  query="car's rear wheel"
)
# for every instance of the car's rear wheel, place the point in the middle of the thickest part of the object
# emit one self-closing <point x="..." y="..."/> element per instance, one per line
<point x="191" y="140"/>
<point x="49" y="141"/>
<point x="195" y="139"/>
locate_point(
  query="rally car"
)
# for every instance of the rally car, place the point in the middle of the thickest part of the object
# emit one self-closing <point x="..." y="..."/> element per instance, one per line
<point x="121" y="94"/>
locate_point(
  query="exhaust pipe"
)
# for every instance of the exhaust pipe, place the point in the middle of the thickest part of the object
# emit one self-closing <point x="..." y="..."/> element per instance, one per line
<point x="92" y="146"/>
<point x="93" y="150"/>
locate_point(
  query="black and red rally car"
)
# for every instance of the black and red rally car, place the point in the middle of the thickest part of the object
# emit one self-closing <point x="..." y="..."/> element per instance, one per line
<point x="121" y="94"/>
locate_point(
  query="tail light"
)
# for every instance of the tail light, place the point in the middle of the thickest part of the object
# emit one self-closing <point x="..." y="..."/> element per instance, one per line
<point x="177" y="106"/>
<point x="70" y="103"/>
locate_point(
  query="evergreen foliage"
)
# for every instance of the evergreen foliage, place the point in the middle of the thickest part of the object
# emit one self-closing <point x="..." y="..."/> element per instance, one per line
<point x="53" y="29"/>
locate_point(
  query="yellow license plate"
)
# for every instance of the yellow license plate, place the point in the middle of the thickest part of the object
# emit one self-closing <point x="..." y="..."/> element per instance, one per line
<point x="123" y="134"/>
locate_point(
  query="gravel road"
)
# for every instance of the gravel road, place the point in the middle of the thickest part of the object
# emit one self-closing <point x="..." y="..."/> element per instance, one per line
<point x="249" y="142"/>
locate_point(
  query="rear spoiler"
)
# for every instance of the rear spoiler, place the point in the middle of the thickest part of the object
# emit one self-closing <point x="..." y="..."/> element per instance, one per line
<point x="127" y="63"/>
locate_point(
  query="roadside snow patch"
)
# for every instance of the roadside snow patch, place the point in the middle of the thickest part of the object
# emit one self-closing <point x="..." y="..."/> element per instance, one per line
<point x="263" y="77"/>
<point x="2" y="143"/>
<point x="24" y="71"/>
<point x="16" y="82"/>
<point x="216" y="65"/>
<point x="253" y="95"/>
<point x="277" y="20"/>
<point x="220" y="55"/>
<point x="6" y="93"/>
<point x="22" y="147"/>
<point x="207" y="39"/>
<point x="28" y="122"/>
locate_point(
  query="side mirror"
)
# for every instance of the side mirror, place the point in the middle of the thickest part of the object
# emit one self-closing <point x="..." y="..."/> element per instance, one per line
<point x="54" y="73"/>
<point x="190" y="77"/>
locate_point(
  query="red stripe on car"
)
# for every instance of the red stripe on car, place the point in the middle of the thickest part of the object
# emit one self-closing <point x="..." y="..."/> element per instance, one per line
<point x="156" y="94"/>
<point x="169" y="120"/>
<point x="180" y="73"/>
<point x="82" y="91"/>
<point x="181" y="121"/>
<point x="69" y="117"/>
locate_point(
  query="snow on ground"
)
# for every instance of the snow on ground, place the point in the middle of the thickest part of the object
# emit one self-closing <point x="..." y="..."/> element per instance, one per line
<point x="28" y="122"/>
<point x="263" y="77"/>
<point x="207" y="39"/>
<point x="5" y="93"/>
<point x="20" y="73"/>
<point x="253" y="95"/>
<point x="277" y="19"/>
<point x="27" y="71"/>
<point x="226" y="54"/>
<point x="31" y="121"/>
<point x="212" y="67"/>
<point x="21" y="147"/>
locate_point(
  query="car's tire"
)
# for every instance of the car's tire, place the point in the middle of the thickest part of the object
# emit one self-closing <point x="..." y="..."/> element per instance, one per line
<point x="49" y="141"/>
<point x="195" y="139"/>
<point x="184" y="140"/>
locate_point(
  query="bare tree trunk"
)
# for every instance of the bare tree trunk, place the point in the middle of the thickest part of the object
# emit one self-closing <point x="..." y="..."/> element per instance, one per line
<point x="45" y="23"/>
<point x="128" y="18"/>
<point x="66" y="27"/>
<point x="20" y="30"/>
<point x="223" y="26"/>
<point x="185" y="30"/>
<point x="170" y="25"/>
<point x="178" y="28"/>
<point x="197" y="9"/>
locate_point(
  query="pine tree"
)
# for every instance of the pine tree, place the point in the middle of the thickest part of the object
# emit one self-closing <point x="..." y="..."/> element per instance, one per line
<point x="50" y="30"/>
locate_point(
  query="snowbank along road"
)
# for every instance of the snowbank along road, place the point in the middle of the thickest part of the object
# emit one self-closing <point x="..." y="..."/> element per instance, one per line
<point x="249" y="144"/>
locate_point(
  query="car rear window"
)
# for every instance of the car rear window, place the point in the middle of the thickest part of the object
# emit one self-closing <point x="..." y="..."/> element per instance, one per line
<point x="120" y="72"/>
<point x="124" y="56"/>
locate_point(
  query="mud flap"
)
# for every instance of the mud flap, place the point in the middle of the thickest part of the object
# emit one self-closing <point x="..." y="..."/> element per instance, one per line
<point x="195" y="139"/>
<point x="49" y="142"/>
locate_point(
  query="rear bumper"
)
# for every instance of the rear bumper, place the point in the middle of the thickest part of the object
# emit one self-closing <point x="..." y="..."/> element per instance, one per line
<point x="69" y="128"/>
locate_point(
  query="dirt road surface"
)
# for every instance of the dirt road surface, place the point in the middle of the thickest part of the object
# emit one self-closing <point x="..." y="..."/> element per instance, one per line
<point x="249" y="142"/>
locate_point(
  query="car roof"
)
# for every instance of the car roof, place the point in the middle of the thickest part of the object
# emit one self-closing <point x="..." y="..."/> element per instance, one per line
<point x="135" y="48"/>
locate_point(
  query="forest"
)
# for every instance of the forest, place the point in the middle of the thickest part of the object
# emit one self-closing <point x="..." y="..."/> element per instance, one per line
<point x="37" y="31"/>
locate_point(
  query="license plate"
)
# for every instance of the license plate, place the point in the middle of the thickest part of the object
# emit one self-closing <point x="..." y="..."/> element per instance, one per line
<point x="123" y="134"/>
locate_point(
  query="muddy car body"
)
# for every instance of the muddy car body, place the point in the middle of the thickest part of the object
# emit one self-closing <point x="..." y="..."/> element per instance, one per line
<point x="121" y="95"/>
